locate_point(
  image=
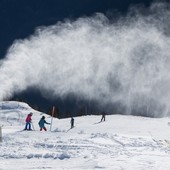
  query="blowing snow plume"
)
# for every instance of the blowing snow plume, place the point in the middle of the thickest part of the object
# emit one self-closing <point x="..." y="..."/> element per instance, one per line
<point x="123" y="65"/>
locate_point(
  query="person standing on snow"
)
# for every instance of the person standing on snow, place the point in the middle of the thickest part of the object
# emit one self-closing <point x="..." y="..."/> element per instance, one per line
<point x="103" y="116"/>
<point x="28" y="121"/>
<point x="72" y="122"/>
<point x="42" y="122"/>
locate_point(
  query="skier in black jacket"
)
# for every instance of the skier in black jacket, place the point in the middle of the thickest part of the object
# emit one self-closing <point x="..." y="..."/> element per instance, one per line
<point x="103" y="116"/>
<point x="72" y="122"/>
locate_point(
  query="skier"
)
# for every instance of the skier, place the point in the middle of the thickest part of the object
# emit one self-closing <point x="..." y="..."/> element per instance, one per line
<point x="103" y="116"/>
<point x="72" y="122"/>
<point x="42" y="122"/>
<point x="28" y="121"/>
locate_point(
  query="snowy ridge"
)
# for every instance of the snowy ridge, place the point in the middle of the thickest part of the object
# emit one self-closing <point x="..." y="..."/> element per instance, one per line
<point x="122" y="142"/>
<point x="13" y="112"/>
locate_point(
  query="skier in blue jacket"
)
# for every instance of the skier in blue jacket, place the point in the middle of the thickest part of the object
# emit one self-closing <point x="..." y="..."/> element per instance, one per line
<point x="42" y="122"/>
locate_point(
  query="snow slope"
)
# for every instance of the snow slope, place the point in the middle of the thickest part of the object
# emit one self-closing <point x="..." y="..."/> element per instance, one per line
<point x="121" y="142"/>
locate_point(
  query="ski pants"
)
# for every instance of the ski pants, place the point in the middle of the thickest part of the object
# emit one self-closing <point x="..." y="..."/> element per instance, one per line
<point x="43" y="128"/>
<point x="28" y="124"/>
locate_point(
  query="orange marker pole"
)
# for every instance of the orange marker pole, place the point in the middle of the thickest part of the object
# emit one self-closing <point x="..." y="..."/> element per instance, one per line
<point x="52" y="115"/>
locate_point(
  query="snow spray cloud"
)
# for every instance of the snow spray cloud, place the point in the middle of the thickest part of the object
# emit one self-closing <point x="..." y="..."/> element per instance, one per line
<point x="124" y="63"/>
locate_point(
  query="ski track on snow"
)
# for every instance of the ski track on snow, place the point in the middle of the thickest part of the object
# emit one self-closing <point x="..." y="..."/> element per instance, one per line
<point x="98" y="146"/>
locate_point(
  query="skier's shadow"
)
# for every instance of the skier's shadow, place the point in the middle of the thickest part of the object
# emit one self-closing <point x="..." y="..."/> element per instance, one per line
<point x="70" y="129"/>
<point x="97" y="122"/>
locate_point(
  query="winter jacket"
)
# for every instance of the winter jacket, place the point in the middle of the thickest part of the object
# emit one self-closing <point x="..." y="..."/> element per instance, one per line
<point x="28" y="119"/>
<point x="42" y="122"/>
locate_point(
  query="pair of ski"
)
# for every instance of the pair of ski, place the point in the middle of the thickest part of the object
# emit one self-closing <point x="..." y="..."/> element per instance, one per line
<point x="26" y="130"/>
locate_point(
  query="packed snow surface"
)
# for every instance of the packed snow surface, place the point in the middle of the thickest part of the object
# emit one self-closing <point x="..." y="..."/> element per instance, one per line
<point x="121" y="142"/>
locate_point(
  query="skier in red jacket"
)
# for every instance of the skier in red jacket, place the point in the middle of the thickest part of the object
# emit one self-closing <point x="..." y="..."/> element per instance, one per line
<point x="28" y="122"/>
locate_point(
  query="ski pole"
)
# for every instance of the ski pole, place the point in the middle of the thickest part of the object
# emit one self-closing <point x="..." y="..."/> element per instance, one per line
<point x="32" y="126"/>
<point x="0" y="134"/>
<point x="52" y="115"/>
